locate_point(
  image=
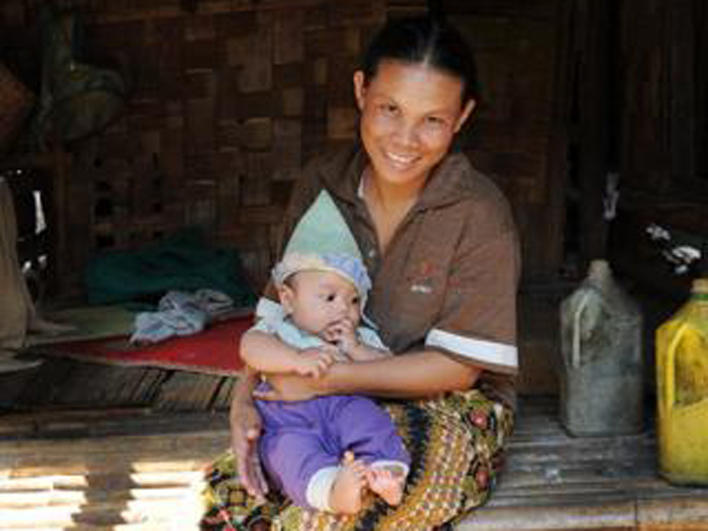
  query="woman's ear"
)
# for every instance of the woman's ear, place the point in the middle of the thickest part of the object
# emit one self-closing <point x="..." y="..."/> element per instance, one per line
<point x="466" y="111"/>
<point x="359" y="89"/>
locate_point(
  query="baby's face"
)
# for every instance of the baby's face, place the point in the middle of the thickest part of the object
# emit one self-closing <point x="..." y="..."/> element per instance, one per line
<point x="316" y="300"/>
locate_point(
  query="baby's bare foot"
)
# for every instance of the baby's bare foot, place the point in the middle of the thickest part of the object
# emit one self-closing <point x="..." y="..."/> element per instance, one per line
<point x="386" y="483"/>
<point x="345" y="497"/>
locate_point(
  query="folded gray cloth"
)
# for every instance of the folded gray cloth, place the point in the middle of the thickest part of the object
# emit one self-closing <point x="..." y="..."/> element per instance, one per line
<point x="179" y="314"/>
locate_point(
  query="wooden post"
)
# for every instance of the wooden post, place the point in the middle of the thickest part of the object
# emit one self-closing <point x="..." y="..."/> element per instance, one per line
<point x="60" y="169"/>
<point x="594" y="125"/>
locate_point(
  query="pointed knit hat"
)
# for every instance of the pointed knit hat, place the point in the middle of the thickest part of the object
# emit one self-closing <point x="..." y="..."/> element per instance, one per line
<point x="322" y="241"/>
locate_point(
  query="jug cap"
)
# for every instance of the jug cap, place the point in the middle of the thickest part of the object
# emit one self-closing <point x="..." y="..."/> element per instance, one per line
<point x="700" y="285"/>
<point x="599" y="269"/>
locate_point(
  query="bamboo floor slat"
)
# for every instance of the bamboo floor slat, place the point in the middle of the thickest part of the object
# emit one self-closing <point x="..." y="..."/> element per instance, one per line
<point x="184" y="391"/>
<point x="106" y="469"/>
<point x="67" y="383"/>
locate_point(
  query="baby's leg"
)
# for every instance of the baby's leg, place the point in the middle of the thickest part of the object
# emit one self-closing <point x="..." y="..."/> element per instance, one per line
<point x="345" y="496"/>
<point x="368" y="431"/>
<point x="387" y="481"/>
<point x="312" y="478"/>
<point x="373" y="439"/>
<point x="297" y="465"/>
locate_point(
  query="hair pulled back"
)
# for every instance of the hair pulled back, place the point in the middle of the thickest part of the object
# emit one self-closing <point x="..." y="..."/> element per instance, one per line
<point x="427" y="40"/>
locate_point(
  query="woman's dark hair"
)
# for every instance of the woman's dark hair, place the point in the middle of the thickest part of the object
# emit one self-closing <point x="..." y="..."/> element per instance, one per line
<point x="423" y="40"/>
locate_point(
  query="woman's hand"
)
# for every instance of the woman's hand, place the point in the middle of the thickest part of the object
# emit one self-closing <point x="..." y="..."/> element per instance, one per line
<point x="289" y="388"/>
<point x="246" y="427"/>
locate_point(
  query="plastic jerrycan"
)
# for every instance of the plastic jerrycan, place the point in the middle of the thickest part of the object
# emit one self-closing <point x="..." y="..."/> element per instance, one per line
<point x="682" y="390"/>
<point x="601" y="381"/>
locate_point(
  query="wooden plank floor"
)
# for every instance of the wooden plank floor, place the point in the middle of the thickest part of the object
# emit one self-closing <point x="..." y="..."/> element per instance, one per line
<point x="127" y="468"/>
<point x="138" y="468"/>
<point x="556" y="482"/>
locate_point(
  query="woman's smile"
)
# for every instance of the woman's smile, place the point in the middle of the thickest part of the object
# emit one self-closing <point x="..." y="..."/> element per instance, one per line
<point x="401" y="160"/>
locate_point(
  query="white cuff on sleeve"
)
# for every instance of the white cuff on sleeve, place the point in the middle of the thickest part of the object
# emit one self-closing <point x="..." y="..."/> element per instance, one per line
<point x="489" y="352"/>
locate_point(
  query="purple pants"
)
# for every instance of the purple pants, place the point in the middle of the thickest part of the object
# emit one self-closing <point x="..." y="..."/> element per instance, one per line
<point x="300" y="438"/>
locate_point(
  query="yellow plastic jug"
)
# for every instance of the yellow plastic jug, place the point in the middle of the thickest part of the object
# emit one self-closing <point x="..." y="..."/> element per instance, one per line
<point x="682" y="390"/>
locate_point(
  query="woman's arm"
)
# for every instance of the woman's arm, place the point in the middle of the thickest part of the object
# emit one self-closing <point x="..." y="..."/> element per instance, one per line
<point x="266" y="353"/>
<point x="413" y="375"/>
<point x="362" y="352"/>
<point x="246" y="427"/>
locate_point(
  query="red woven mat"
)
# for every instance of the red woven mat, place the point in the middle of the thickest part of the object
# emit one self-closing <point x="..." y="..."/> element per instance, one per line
<point x="212" y="351"/>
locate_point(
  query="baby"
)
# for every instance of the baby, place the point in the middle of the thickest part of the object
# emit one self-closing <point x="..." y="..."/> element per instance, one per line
<point x="324" y="452"/>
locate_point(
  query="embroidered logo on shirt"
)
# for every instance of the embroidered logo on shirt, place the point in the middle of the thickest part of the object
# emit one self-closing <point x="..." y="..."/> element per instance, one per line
<point x="424" y="282"/>
<point x="421" y="288"/>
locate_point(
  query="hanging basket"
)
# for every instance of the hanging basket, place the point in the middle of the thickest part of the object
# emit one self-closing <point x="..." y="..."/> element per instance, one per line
<point x="15" y="103"/>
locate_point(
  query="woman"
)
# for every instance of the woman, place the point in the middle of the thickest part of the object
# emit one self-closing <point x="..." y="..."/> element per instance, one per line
<point x="441" y="248"/>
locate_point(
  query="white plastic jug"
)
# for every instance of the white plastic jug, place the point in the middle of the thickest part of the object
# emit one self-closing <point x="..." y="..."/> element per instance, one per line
<point x="601" y="381"/>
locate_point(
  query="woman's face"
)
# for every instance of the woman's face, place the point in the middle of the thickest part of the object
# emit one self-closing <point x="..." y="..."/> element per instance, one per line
<point x="410" y="113"/>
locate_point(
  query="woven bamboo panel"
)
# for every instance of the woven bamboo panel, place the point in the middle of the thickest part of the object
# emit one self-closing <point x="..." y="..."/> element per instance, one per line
<point x="214" y="132"/>
<point x="230" y="98"/>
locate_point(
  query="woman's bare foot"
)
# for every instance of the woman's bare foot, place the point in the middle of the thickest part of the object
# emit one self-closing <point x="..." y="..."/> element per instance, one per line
<point x="386" y="483"/>
<point x="345" y="497"/>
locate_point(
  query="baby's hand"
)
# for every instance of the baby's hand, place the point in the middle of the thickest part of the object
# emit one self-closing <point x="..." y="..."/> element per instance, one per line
<point x="314" y="362"/>
<point x="343" y="334"/>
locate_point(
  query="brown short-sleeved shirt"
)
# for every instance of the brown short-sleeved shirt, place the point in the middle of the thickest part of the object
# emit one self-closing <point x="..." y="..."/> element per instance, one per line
<point x="449" y="276"/>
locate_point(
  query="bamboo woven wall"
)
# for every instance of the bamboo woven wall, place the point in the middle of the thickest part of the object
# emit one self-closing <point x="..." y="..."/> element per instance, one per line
<point x="230" y="99"/>
<point x="226" y="104"/>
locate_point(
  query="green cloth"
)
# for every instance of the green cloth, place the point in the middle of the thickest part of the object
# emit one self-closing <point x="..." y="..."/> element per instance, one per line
<point x="180" y="262"/>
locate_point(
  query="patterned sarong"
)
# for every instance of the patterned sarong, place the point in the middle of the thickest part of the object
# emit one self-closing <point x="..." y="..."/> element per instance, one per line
<point x="456" y="445"/>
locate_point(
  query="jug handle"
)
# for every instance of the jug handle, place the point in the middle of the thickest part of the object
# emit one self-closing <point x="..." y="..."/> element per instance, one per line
<point x="575" y="358"/>
<point x="669" y="378"/>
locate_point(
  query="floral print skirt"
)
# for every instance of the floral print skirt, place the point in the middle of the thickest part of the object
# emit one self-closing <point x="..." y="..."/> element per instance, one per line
<point x="456" y="445"/>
